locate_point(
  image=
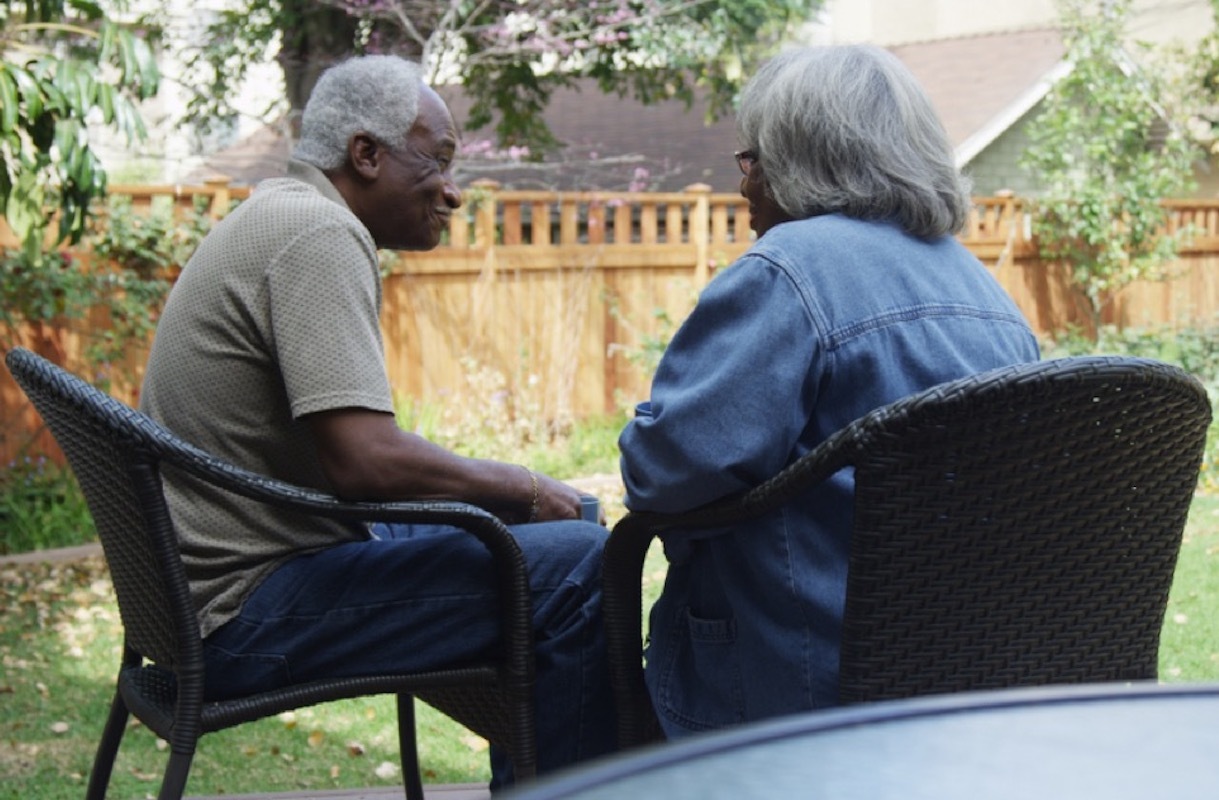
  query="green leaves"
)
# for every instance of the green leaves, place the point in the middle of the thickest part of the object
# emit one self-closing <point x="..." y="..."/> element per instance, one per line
<point x="23" y="206"/>
<point x="64" y="62"/>
<point x="8" y="101"/>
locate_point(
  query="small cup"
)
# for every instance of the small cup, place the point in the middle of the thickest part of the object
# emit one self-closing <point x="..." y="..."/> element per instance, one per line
<point x="590" y="508"/>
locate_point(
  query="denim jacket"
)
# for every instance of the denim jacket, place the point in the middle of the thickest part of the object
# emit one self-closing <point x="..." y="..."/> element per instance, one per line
<point x="821" y="321"/>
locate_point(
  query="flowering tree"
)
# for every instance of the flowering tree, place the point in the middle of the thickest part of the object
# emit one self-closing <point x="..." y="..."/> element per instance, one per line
<point x="509" y="55"/>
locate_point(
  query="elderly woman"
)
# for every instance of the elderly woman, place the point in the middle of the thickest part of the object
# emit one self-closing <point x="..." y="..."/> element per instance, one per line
<point x="854" y="295"/>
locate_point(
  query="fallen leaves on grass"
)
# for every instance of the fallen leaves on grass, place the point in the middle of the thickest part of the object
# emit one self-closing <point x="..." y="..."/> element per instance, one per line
<point x="140" y="775"/>
<point x="71" y="598"/>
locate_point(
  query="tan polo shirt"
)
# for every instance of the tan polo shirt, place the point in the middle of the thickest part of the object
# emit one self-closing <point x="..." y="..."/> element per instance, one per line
<point x="274" y="317"/>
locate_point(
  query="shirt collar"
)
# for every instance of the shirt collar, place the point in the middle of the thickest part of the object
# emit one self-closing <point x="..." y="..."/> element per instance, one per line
<point x="307" y="173"/>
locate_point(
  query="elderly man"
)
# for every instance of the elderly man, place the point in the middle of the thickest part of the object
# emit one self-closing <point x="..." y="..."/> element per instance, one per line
<point x="269" y="354"/>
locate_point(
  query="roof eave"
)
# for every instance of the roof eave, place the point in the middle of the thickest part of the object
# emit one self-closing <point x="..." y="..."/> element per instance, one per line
<point x="982" y="138"/>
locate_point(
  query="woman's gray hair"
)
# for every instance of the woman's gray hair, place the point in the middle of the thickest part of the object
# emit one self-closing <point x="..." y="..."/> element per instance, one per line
<point x="847" y="129"/>
<point x="377" y="95"/>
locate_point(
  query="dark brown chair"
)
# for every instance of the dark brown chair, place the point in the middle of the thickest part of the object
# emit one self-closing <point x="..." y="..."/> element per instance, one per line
<point x="117" y="455"/>
<point x="1016" y="528"/>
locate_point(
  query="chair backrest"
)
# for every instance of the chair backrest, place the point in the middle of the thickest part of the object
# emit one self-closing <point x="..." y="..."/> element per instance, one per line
<point x="114" y="452"/>
<point x="1019" y="527"/>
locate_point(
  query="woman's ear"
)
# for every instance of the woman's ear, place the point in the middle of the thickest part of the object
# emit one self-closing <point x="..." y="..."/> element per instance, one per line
<point x="365" y="155"/>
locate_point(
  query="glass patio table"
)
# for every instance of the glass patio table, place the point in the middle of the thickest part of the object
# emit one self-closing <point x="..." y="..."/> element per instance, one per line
<point x="1101" y="742"/>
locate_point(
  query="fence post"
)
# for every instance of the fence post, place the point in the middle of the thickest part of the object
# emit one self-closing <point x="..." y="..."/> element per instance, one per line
<point x="700" y="231"/>
<point x="484" y="215"/>
<point x="221" y="199"/>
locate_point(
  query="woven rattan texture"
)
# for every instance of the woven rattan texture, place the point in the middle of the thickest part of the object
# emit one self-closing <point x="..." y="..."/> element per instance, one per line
<point x="1006" y="535"/>
<point x="1013" y="528"/>
<point x="100" y="460"/>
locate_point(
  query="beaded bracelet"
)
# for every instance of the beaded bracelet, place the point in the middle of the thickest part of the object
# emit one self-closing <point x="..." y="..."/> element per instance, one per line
<point x="533" y="505"/>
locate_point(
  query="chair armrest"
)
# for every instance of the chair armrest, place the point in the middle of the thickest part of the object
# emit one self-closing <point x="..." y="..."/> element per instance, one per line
<point x="784" y="486"/>
<point x="172" y="451"/>
<point x="622" y="608"/>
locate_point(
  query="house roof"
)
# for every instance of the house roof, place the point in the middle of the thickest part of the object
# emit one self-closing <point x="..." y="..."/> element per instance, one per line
<point x="677" y="146"/>
<point x="980" y="85"/>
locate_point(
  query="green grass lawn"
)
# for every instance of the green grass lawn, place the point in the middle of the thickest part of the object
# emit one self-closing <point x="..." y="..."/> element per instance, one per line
<point x="60" y="642"/>
<point x="1189" y="644"/>
<point x="59" y="648"/>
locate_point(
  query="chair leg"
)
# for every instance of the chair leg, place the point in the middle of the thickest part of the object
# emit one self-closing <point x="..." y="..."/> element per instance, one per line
<point x="408" y="747"/>
<point x="107" y="749"/>
<point x="524" y="751"/>
<point x="173" y="785"/>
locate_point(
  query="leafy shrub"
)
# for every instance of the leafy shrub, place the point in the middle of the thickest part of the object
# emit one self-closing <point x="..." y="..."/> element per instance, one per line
<point x="142" y="253"/>
<point x="42" y="287"/>
<point x="41" y="506"/>
<point x="128" y="275"/>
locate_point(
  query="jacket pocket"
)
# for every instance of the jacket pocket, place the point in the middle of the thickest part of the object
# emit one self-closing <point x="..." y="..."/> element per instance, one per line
<point x="699" y="684"/>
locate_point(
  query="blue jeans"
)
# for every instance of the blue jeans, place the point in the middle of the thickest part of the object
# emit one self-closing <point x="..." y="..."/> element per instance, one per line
<point x="422" y="597"/>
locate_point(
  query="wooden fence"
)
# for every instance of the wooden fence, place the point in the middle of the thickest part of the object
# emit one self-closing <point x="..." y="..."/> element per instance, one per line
<point x="551" y="304"/>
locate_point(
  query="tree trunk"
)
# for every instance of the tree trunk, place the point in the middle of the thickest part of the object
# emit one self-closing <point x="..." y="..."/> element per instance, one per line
<point x="315" y="36"/>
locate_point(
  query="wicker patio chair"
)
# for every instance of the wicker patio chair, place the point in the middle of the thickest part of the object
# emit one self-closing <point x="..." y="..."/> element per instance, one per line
<point x="1019" y="527"/>
<point x="117" y="455"/>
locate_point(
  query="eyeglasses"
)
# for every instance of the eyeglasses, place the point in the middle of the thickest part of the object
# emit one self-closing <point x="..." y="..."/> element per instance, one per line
<point x="404" y="154"/>
<point x="745" y="159"/>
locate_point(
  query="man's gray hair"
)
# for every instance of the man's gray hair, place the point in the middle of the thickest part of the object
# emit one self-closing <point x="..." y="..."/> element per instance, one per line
<point x="377" y="95"/>
<point x="847" y="129"/>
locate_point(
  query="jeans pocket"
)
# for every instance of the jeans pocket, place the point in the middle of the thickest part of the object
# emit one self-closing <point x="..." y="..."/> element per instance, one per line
<point x="700" y="684"/>
<point x="232" y="674"/>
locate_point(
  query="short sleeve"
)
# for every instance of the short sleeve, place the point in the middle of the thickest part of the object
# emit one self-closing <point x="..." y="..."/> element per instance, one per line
<point x="324" y="299"/>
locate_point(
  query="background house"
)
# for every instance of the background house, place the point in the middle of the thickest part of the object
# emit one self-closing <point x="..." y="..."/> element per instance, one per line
<point x="986" y="88"/>
<point x="986" y="67"/>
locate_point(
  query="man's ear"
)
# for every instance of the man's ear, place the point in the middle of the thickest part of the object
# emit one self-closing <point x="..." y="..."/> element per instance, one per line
<point x="365" y="155"/>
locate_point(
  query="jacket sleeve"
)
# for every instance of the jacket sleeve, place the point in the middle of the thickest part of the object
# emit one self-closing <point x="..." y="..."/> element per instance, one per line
<point x="731" y="396"/>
